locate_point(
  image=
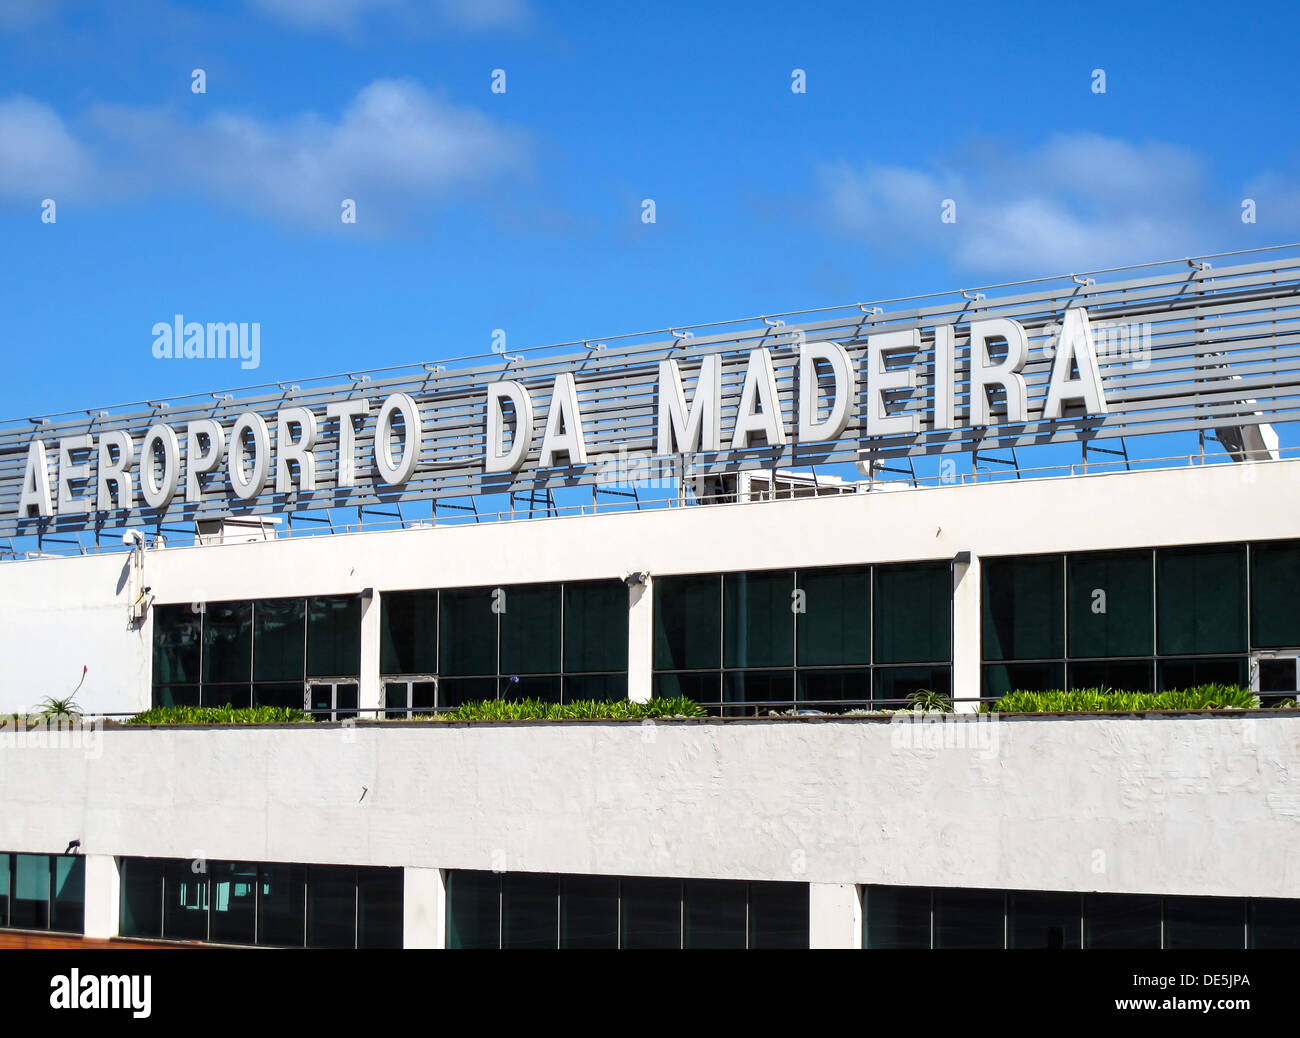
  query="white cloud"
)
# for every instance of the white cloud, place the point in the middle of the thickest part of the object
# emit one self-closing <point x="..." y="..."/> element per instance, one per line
<point x="38" y="155"/>
<point x="1077" y="202"/>
<point x="348" y="15"/>
<point x="396" y="149"/>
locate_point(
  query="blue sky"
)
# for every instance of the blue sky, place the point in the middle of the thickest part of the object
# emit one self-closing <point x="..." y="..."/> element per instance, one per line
<point x="522" y="210"/>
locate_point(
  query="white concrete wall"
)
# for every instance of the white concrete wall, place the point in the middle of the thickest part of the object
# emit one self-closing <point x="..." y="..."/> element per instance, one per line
<point x="56" y="614"/>
<point x="1207" y="805"/>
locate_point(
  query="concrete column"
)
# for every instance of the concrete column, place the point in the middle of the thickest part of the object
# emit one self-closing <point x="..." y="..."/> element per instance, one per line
<point x="834" y="915"/>
<point x="103" y="895"/>
<point x="640" y="641"/>
<point x="966" y="647"/>
<point x="424" y="908"/>
<point x="370" y="694"/>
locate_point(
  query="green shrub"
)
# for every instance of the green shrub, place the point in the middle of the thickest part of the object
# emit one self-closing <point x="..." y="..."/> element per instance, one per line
<point x="219" y="715"/>
<point x="1109" y="700"/>
<point x="592" y="709"/>
<point x="924" y="699"/>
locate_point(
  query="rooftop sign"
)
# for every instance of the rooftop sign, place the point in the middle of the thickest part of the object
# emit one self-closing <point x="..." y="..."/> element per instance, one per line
<point x="1196" y="348"/>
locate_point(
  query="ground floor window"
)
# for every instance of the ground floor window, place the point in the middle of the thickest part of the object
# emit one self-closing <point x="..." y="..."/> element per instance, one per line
<point x="924" y="917"/>
<point x="43" y="892"/>
<point x="259" y="903"/>
<point x="543" y="910"/>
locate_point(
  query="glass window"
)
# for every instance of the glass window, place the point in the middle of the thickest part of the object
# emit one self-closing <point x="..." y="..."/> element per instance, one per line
<point x="1001" y="678"/>
<point x="1023" y="608"/>
<point x="588" y="912"/>
<point x="1174" y="674"/>
<point x="713" y="913"/>
<point x="595" y="626"/>
<point x="333" y="636"/>
<point x="897" y="917"/>
<point x="530" y="630"/>
<point x="395" y="699"/>
<point x="529" y="911"/>
<point x="1121" y="675"/>
<point x="281" y="910"/>
<point x="473" y="909"/>
<point x="331" y="906"/>
<point x="1043" y="920"/>
<point x="834" y="630"/>
<point x="468" y="635"/>
<point x="379" y="908"/>
<point x="1205" y="922"/>
<point x="177" y="641"/>
<point x="913" y="613"/>
<point x="68" y="910"/>
<point x="703" y="688"/>
<point x="652" y="913"/>
<point x="1274" y="923"/>
<point x="1121" y="921"/>
<point x="688" y="622"/>
<point x="602" y="687"/>
<point x="280" y="693"/>
<point x="759" y="686"/>
<point x="778" y="915"/>
<point x="823" y="689"/>
<point x="30" y="909"/>
<point x="969" y="919"/>
<point x="424" y="697"/>
<point x="176" y="695"/>
<point x="409" y="632"/>
<point x="185" y="902"/>
<point x="279" y="639"/>
<point x="897" y="683"/>
<point x="1112" y="604"/>
<point x="759" y="619"/>
<point x="234" y="902"/>
<point x="228" y="641"/>
<point x="1202" y="599"/>
<point x="225" y="695"/>
<point x="1274" y="580"/>
<point x="140" y="909"/>
<point x="4" y="889"/>
<point x="546" y="687"/>
<point x="452" y="692"/>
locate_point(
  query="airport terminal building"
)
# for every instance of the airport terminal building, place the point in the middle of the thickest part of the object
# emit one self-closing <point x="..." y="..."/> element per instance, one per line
<point x="798" y="523"/>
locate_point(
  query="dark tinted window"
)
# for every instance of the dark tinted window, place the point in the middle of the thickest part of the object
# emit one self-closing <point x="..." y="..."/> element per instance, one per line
<point x="1112" y="604"/>
<point x="279" y="639"/>
<point x="834" y="629"/>
<point x="409" y="632"/>
<point x="333" y="636"/>
<point x="1274" y="578"/>
<point x="228" y="641"/>
<point x="897" y="917"/>
<point x="595" y="626"/>
<point x="1202" y="599"/>
<point x="759" y="619"/>
<point x="1023" y="608"/>
<point x="913" y="613"/>
<point x="468" y="637"/>
<point x="968" y="919"/>
<point x="1121" y="921"/>
<point x="688" y="622"/>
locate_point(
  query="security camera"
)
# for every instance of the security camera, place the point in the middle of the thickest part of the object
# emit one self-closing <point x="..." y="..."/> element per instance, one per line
<point x="634" y="577"/>
<point x="133" y="537"/>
